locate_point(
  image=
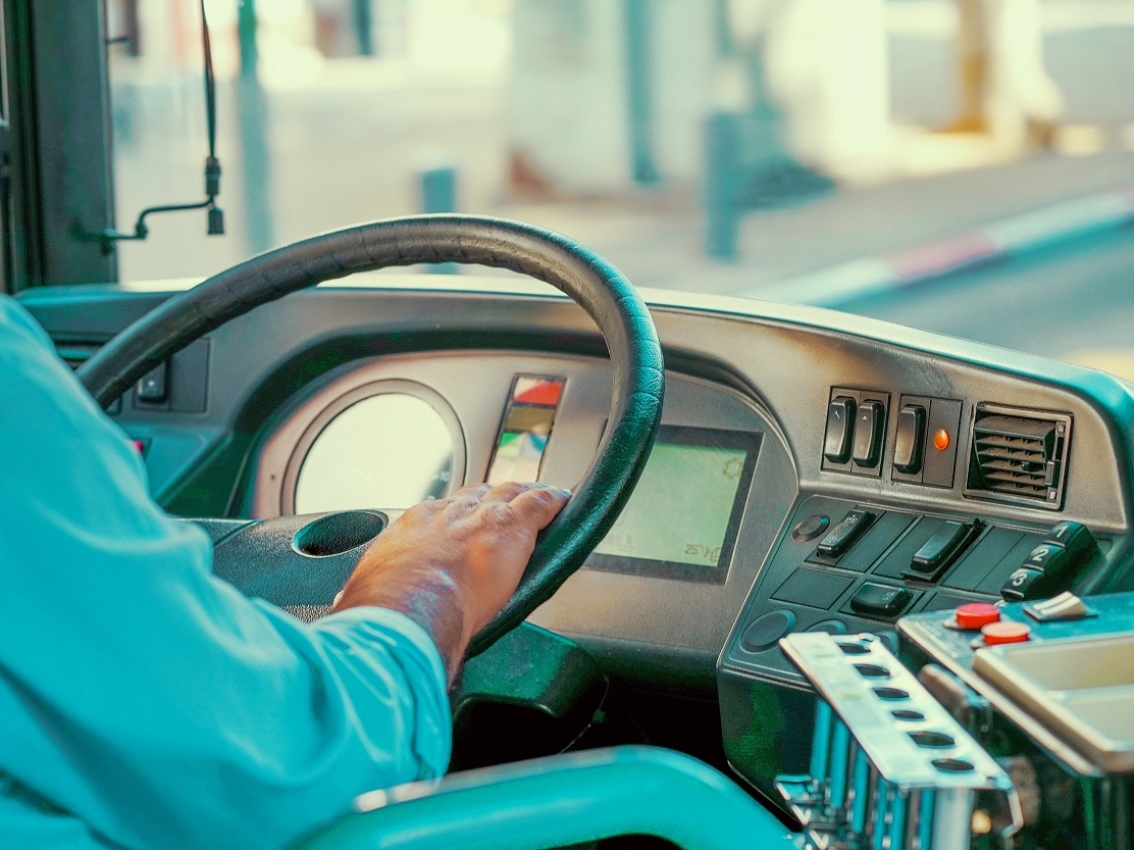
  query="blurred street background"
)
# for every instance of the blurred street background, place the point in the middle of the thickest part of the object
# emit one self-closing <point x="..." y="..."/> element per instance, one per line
<point x="718" y="146"/>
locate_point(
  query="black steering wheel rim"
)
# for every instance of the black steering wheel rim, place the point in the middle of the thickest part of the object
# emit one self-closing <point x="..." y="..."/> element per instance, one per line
<point x="597" y="286"/>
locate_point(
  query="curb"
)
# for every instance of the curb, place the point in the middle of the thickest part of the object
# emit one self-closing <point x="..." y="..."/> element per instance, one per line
<point x="1011" y="237"/>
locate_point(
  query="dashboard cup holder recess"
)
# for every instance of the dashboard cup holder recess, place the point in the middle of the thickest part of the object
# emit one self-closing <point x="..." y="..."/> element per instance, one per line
<point x="337" y="533"/>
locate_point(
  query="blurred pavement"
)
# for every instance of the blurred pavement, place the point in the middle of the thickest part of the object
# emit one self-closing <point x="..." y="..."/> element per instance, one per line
<point x="348" y="147"/>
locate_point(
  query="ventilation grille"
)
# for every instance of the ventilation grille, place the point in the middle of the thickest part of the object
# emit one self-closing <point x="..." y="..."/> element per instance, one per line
<point x="1019" y="456"/>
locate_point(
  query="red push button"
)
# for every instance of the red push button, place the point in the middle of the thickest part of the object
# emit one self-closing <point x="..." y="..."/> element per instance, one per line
<point x="974" y="615"/>
<point x="1006" y="632"/>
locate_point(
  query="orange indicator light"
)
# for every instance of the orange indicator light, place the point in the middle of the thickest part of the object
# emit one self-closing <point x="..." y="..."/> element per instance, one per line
<point x="941" y="439"/>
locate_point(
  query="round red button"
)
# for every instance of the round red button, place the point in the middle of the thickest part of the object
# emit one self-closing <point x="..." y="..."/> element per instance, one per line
<point x="973" y="615"/>
<point x="1006" y="632"/>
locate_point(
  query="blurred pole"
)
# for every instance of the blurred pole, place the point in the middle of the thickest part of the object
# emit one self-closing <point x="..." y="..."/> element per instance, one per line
<point x="972" y="57"/>
<point x="722" y="178"/>
<point x="363" y="21"/>
<point x="133" y="31"/>
<point x="638" y="32"/>
<point x="439" y="195"/>
<point x="252" y="113"/>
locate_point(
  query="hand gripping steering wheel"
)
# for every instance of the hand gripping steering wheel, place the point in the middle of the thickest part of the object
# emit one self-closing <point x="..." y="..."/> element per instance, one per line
<point x="598" y="287"/>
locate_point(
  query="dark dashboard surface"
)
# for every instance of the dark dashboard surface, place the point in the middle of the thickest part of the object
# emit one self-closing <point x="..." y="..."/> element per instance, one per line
<point x="864" y="499"/>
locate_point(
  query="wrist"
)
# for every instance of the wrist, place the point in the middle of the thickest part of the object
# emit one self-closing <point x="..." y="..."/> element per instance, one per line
<point x="429" y="596"/>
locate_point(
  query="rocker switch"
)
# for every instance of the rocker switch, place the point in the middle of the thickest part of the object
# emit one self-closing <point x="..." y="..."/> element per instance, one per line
<point x="840" y="422"/>
<point x="844" y="535"/>
<point x="909" y="439"/>
<point x="939" y="551"/>
<point x="869" y="425"/>
<point x="151" y="388"/>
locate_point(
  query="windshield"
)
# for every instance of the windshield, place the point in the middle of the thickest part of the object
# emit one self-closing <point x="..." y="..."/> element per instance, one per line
<point x="962" y="166"/>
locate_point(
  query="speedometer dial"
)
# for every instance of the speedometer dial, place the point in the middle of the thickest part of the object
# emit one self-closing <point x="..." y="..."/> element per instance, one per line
<point x="390" y="450"/>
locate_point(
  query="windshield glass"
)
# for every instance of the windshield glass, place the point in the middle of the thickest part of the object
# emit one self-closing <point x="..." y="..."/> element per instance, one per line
<point x="963" y="166"/>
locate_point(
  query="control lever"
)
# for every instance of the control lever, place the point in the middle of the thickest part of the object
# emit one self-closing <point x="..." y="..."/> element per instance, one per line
<point x="968" y="708"/>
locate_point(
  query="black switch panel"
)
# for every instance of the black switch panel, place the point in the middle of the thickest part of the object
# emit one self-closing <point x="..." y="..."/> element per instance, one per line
<point x="1026" y="584"/>
<point x="840" y="538"/>
<point x="909" y="441"/>
<point x="840" y="422"/>
<point x="939" y="551"/>
<point x="854" y="438"/>
<point x="1049" y="558"/>
<point x="869" y="433"/>
<point x="1074" y="537"/>
<point x="880" y="600"/>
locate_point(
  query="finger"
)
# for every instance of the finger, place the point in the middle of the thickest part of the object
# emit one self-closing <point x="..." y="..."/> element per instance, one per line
<point x="509" y="490"/>
<point x="475" y="490"/>
<point x="540" y="506"/>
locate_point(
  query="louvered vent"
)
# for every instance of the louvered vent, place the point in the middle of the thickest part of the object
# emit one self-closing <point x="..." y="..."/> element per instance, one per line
<point x="1019" y="456"/>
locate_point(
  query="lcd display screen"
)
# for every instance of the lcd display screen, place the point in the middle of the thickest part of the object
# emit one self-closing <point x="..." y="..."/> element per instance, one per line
<point x="684" y="515"/>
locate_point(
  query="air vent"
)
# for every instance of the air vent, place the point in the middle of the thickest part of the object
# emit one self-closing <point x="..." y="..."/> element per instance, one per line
<point x="1019" y="456"/>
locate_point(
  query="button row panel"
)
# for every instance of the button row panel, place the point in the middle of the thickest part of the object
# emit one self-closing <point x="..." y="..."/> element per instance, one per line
<point x="925" y="437"/>
<point x="847" y="567"/>
<point x="855" y="434"/>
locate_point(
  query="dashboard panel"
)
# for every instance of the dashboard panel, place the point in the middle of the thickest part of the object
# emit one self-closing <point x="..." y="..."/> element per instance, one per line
<point x="656" y="602"/>
<point x="265" y="386"/>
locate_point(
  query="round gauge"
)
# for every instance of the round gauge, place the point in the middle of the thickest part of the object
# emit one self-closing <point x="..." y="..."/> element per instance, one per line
<point x="387" y="449"/>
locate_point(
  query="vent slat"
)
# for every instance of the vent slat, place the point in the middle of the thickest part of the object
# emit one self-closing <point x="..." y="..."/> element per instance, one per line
<point x="1014" y="455"/>
<point x="1036" y="468"/>
<point x="996" y="479"/>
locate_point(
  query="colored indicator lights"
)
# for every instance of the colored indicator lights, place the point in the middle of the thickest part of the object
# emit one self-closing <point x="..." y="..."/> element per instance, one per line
<point x="542" y="392"/>
<point x="941" y="439"/>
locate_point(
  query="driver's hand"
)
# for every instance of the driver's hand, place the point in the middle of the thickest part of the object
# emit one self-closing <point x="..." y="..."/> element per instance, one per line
<point x="451" y="564"/>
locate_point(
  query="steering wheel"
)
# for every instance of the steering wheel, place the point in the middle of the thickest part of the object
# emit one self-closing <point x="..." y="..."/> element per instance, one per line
<point x="598" y="287"/>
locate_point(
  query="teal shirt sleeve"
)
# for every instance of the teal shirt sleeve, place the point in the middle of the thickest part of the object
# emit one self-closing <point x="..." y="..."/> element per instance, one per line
<point x="145" y="696"/>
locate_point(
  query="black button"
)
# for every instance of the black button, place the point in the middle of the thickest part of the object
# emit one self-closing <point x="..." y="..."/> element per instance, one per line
<point x="1050" y="559"/>
<point x="810" y="528"/>
<point x="767" y="629"/>
<point x="880" y="600"/>
<point x="932" y="740"/>
<point x="831" y="627"/>
<point x="843" y="535"/>
<point x="1025" y="584"/>
<point x="151" y="388"/>
<point x="910" y="439"/>
<point x="840" y="420"/>
<point x="939" y="551"/>
<point x="853" y="648"/>
<point x="1072" y="536"/>
<point x="869" y="428"/>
